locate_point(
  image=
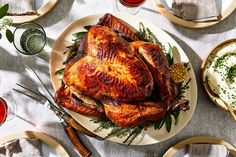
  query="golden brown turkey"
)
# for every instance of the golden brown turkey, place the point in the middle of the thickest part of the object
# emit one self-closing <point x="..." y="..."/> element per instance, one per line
<point x="116" y="76"/>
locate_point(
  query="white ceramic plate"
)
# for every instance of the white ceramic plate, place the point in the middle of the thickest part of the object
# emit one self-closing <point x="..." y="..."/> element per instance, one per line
<point x="179" y="150"/>
<point x="42" y="7"/>
<point x="150" y="136"/>
<point x="226" y="7"/>
<point x="50" y="147"/>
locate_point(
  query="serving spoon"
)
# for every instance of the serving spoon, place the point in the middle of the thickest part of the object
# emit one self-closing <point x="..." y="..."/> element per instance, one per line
<point x="231" y="110"/>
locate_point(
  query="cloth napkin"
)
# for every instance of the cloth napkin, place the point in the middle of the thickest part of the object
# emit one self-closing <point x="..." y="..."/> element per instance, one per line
<point x="20" y="7"/>
<point x="22" y="148"/>
<point x="196" y="10"/>
<point x="207" y="150"/>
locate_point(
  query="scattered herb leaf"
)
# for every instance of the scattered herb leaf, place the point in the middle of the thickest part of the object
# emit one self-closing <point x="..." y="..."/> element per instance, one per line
<point x="9" y="35"/>
<point x="3" y="10"/>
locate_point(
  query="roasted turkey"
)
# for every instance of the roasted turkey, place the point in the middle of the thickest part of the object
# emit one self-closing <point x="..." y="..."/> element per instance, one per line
<point x="117" y="76"/>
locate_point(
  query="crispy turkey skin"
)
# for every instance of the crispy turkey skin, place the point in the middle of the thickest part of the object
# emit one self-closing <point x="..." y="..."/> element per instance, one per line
<point x="118" y="73"/>
<point x="109" y="69"/>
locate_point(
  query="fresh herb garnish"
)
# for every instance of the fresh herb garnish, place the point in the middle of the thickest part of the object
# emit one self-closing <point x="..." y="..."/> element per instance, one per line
<point x="133" y="134"/>
<point x="220" y="61"/>
<point x="176" y="116"/>
<point x="78" y="36"/>
<point x="182" y="89"/>
<point x="60" y="71"/>
<point x="168" y="122"/>
<point x="145" y="34"/>
<point x="87" y="27"/>
<point x="158" y="125"/>
<point x="3" y="10"/>
<point x="118" y="131"/>
<point x="9" y="35"/>
<point x="170" y="56"/>
<point x="231" y="73"/>
<point x="5" y="23"/>
<point x="70" y="56"/>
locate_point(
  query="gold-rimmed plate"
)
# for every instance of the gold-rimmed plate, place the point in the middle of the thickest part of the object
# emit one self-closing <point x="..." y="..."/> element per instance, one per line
<point x="50" y="147"/>
<point x="42" y="8"/>
<point x="164" y="6"/>
<point x="174" y="150"/>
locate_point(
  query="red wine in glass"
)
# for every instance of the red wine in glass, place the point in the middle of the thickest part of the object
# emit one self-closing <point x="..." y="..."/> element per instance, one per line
<point x="129" y="6"/>
<point x="131" y="3"/>
<point x="3" y="111"/>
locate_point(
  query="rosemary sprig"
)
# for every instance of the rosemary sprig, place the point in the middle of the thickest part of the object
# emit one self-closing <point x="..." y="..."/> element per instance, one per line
<point x="182" y="89"/>
<point x="134" y="133"/>
<point x="103" y="124"/>
<point x="118" y="131"/>
<point x="145" y="34"/>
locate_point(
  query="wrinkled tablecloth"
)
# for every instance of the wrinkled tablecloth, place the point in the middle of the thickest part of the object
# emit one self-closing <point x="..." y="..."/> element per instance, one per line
<point x="197" y="43"/>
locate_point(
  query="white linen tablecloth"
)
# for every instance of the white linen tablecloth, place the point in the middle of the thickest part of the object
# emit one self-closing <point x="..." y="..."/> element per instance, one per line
<point x="197" y="43"/>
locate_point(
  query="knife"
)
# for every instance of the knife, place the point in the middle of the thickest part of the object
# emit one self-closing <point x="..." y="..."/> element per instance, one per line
<point x="69" y="123"/>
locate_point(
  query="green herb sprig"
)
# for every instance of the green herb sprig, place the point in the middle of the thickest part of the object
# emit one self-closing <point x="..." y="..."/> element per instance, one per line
<point x="5" y="23"/>
<point x="145" y="34"/>
<point x="117" y="131"/>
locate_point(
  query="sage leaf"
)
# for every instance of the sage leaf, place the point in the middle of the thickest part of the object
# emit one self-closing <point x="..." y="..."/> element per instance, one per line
<point x="159" y="124"/>
<point x="176" y="116"/>
<point x="170" y="56"/>
<point x="9" y="35"/>
<point x="78" y="36"/>
<point x="60" y="71"/>
<point x="87" y="27"/>
<point x="168" y="122"/>
<point x="3" y="10"/>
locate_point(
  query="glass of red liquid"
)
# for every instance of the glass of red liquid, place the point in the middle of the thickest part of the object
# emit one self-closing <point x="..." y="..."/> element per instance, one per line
<point x="8" y="108"/>
<point x="3" y="111"/>
<point x="129" y="6"/>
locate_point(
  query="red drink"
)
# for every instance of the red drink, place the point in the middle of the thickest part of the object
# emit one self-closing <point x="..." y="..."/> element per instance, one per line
<point x="131" y="3"/>
<point x="3" y="111"/>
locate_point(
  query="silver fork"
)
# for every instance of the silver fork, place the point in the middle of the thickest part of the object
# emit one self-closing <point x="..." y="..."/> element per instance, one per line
<point x="64" y="117"/>
<point x="67" y="121"/>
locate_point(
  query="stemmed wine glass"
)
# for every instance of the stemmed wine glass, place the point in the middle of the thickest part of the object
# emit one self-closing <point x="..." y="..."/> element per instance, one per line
<point x="129" y="6"/>
<point x="8" y="107"/>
